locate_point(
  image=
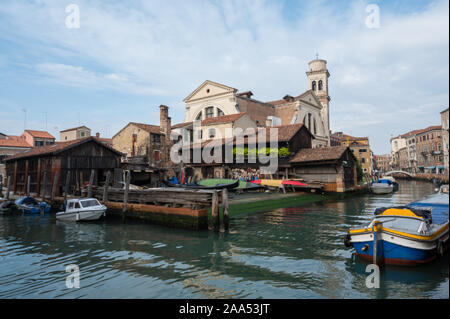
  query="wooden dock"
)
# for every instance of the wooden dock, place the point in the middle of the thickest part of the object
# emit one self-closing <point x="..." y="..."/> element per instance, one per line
<point x="174" y="207"/>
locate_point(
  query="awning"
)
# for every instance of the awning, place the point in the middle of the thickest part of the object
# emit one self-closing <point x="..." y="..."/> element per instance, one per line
<point x="430" y="167"/>
<point x="441" y="167"/>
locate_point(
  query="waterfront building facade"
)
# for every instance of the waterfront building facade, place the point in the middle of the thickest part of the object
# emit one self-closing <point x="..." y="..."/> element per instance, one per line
<point x="445" y="141"/>
<point x="383" y="162"/>
<point x="430" y="155"/>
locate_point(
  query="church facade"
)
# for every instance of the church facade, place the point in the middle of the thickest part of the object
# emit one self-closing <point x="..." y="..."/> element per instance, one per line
<point x="212" y="100"/>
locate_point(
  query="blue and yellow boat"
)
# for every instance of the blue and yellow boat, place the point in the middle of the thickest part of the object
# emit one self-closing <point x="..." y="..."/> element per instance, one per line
<point x="405" y="235"/>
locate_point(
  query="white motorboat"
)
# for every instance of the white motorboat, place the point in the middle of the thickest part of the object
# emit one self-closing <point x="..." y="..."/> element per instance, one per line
<point x="82" y="209"/>
<point x="382" y="186"/>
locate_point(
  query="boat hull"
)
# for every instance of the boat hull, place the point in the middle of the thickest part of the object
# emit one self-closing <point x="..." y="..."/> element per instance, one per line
<point x="382" y="189"/>
<point x="398" y="250"/>
<point x="81" y="216"/>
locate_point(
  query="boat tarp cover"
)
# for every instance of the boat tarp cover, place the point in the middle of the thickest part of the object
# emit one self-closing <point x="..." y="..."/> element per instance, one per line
<point x="424" y="213"/>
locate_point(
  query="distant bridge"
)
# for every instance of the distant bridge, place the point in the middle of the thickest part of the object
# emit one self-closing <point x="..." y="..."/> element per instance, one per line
<point x="398" y="172"/>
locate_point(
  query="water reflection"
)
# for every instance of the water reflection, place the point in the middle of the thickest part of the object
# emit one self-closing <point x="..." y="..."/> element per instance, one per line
<point x="292" y="252"/>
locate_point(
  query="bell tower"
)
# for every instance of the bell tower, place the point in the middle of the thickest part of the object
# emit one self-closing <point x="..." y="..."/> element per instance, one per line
<point x="318" y="82"/>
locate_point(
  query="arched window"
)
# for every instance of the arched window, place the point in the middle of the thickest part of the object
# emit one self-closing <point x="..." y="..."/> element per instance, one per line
<point x="315" y="127"/>
<point x="314" y="85"/>
<point x="304" y="121"/>
<point x="220" y="112"/>
<point x="209" y="112"/>
<point x="320" y="85"/>
<point x="309" y="121"/>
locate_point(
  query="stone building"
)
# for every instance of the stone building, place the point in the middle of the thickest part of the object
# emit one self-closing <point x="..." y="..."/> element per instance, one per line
<point x="213" y="99"/>
<point x="382" y="163"/>
<point x="74" y="133"/>
<point x="430" y="155"/>
<point x="445" y="141"/>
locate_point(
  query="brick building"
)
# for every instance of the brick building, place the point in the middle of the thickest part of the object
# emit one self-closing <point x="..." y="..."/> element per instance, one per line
<point x="429" y="145"/>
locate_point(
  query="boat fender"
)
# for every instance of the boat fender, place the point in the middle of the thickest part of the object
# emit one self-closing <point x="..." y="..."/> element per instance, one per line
<point x="440" y="248"/>
<point x="347" y="241"/>
<point x="78" y="217"/>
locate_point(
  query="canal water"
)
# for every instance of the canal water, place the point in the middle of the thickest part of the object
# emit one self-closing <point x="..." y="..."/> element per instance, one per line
<point x="295" y="252"/>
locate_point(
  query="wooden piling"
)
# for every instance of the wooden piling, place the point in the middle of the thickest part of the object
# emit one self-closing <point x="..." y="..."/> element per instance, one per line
<point x="127" y="189"/>
<point x="55" y="181"/>
<point x="8" y="188"/>
<point x="66" y="188"/>
<point x="44" y="186"/>
<point x="215" y="210"/>
<point x="91" y="182"/>
<point x="226" y="219"/>
<point x="28" y="185"/>
<point x="105" y="188"/>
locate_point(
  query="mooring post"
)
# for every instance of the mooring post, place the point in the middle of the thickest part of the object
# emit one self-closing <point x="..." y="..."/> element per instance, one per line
<point x="125" y="194"/>
<point x="8" y="187"/>
<point x="105" y="188"/>
<point x="44" y="186"/>
<point x="66" y="188"/>
<point x="226" y="220"/>
<point x="91" y="182"/>
<point x="215" y="210"/>
<point x="377" y="248"/>
<point x="28" y="185"/>
<point x="55" y="181"/>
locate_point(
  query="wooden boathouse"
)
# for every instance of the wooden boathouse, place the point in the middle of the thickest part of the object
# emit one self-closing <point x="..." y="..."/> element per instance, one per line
<point x="45" y="169"/>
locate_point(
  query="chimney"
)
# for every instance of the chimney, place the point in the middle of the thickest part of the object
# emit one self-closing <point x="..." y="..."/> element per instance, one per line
<point x="165" y="128"/>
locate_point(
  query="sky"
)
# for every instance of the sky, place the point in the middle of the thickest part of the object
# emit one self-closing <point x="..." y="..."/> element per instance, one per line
<point x="128" y="57"/>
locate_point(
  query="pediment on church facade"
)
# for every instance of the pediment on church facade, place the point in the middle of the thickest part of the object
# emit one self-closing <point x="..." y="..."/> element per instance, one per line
<point x="209" y="89"/>
<point x="310" y="97"/>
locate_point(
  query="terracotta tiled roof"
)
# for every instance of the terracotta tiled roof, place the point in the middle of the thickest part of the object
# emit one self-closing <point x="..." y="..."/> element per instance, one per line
<point x="319" y="154"/>
<point x="429" y="128"/>
<point x="14" y="142"/>
<point x="148" y="128"/>
<point x="285" y="132"/>
<point x="223" y="119"/>
<point x="179" y="125"/>
<point x="57" y="148"/>
<point x="39" y="134"/>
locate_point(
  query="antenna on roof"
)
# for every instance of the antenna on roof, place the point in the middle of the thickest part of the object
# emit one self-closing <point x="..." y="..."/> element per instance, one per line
<point x="24" y="119"/>
<point x="317" y="56"/>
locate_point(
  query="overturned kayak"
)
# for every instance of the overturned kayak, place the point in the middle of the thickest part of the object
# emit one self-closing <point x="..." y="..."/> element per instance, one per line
<point x="404" y="235"/>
